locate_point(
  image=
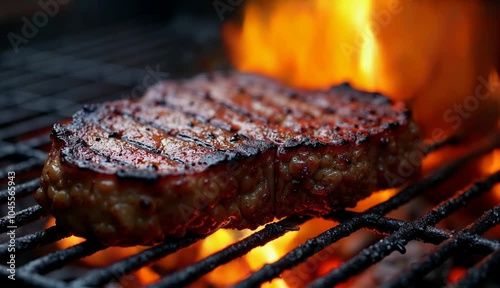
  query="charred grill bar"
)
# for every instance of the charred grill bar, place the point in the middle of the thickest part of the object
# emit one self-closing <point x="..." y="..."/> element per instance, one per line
<point x="47" y="87"/>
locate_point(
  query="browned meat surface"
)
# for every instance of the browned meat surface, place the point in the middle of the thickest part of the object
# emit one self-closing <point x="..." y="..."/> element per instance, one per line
<point x="220" y="150"/>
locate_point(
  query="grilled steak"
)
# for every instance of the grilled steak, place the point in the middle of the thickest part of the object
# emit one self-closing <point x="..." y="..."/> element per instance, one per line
<point x="220" y="150"/>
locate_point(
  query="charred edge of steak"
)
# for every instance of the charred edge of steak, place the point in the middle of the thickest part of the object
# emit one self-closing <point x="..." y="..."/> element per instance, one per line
<point x="103" y="195"/>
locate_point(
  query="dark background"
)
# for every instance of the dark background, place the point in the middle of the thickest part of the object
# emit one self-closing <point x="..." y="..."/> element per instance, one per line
<point x="82" y="15"/>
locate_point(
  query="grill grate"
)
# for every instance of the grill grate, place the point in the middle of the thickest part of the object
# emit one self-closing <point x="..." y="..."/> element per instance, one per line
<point x="47" y="83"/>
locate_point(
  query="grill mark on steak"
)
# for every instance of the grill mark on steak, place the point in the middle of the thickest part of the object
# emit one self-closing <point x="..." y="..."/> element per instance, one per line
<point x="203" y="96"/>
<point x="88" y="154"/>
<point x="115" y="148"/>
<point x="199" y="142"/>
<point x="208" y="95"/>
<point x="244" y="112"/>
<point x="152" y="149"/>
<point x="191" y="101"/>
<point x="177" y="123"/>
<point x="162" y="140"/>
<point x="247" y="125"/>
<point x="177" y="104"/>
<point x="103" y="122"/>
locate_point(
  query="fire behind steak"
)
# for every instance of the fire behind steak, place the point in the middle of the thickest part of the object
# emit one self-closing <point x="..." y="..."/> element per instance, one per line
<point x="220" y="150"/>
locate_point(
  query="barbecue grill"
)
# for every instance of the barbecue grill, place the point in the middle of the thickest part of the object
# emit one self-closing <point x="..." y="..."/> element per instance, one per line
<point x="47" y="82"/>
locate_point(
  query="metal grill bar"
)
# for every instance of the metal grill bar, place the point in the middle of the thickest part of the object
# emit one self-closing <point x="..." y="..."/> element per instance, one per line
<point x="60" y="258"/>
<point x="22" y="190"/>
<point x="430" y="234"/>
<point x="27" y="151"/>
<point x="99" y="277"/>
<point x="37" y="239"/>
<point x="32" y="279"/>
<point x="454" y="140"/>
<point x="314" y="245"/>
<point x="476" y="276"/>
<point x="20" y="167"/>
<point x="91" y="36"/>
<point x="27" y="126"/>
<point x="22" y="217"/>
<point x="240" y="248"/>
<point x="488" y="220"/>
<point x="400" y="238"/>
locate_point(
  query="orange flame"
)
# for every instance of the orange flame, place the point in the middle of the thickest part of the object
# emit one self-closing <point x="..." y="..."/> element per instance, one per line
<point x="305" y="51"/>
<point x="408" y="50"/>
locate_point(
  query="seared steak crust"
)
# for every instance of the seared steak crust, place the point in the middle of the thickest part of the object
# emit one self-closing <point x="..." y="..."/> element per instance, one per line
<point x="219" y="150"/>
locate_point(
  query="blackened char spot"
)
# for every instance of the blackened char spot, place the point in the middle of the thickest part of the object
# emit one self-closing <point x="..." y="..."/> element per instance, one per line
<point x="198" y="142"/>
<point x="244" y="136"/>
<point x="256" y="96"/>
<point x="59" y="133"/>
<point x="379" y="96"/>
<point x="202" y="94"/>
<point x="292" y="94"/>
<point x="240" y="90"/>
<point x="234" y="138"/>
<point x="146" y="203"/>
<point x="145" y="175"/>
<point x="390" y="125"/>
<point x="88" y="108"/>
<point x="407" y="113"/>
<point x="383" y="142"/>
<point x="291" y="143"/>
<point x="362" y="138"/>
<point x="340" y="87"/>
<point x="329" y="110"/>
<point x="286" y="110"/>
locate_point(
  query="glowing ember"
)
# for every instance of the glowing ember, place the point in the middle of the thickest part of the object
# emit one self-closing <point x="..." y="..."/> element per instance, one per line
<point x="226" y="274"/>
<point x="328" y="266"/>
<point x="241" y="268"/>
<point x="374" y="199"/>
<point x="491" y="165"/>
<point x="455" y="274"/>
<point x="143" y="276"/>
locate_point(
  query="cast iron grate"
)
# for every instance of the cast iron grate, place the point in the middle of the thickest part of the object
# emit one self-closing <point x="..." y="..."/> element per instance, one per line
<point x="47" y="83"/>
